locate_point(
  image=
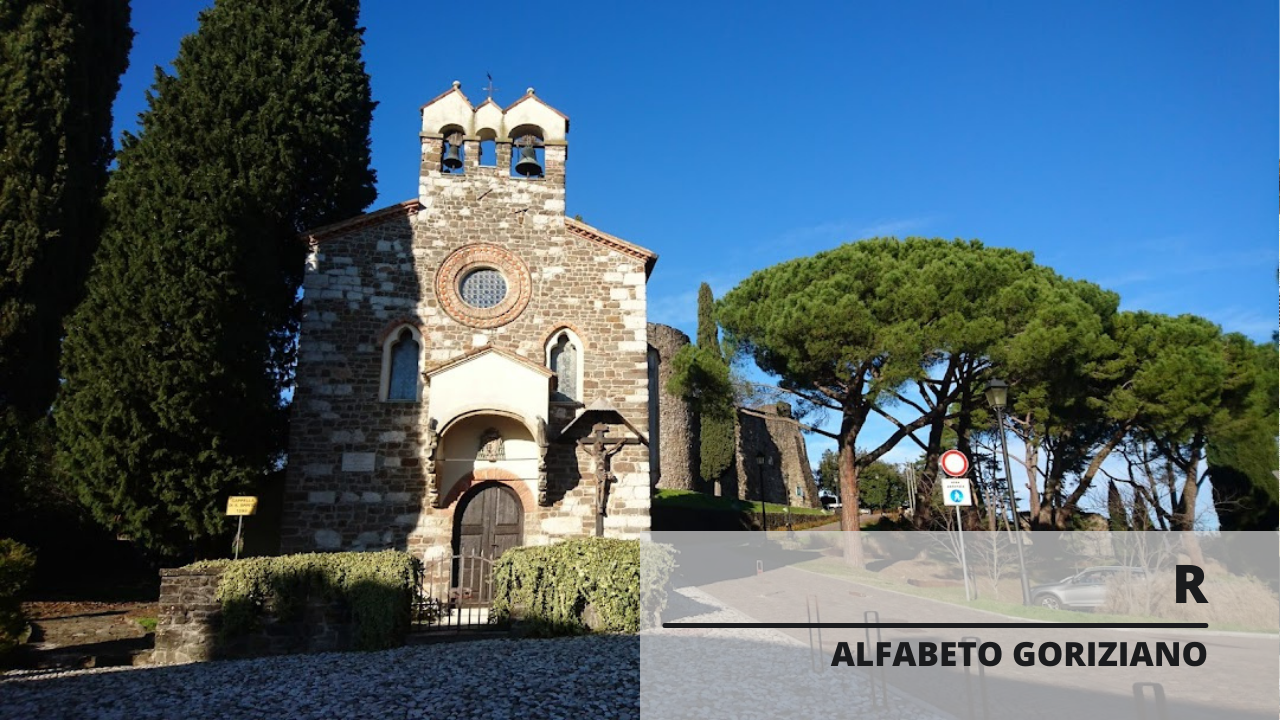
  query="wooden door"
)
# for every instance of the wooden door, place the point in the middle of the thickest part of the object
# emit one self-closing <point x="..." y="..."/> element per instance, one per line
<point x="491" y="523"/>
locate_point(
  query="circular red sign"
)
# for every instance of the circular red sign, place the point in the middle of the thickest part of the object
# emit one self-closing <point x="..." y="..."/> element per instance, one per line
<point x="954" y="463"/>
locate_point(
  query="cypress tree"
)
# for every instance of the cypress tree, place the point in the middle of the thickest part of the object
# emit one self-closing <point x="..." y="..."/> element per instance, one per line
<point x="176" y="361"/>
<point x="60" y="68"/>
<point x="717" y="448"/>
<point x="1117" y="516"/>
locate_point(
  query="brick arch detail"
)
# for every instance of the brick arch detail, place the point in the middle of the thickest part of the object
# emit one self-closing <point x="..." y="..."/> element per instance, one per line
<point x="506" y="477"/>
<point x="546" y="339"/>
<point x="399" y="323"/>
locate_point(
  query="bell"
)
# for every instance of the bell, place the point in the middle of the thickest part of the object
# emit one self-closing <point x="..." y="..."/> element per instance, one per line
<point x="451" y="159"/>
<point x="529" y="165"/>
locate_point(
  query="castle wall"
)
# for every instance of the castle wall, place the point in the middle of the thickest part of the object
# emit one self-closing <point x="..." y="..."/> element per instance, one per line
<point x="786" y="475"/>
<point x="678" y="430"/>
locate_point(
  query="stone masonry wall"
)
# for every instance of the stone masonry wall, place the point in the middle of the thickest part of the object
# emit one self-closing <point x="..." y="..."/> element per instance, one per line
<point x="190" y="621"/>
<point x="678" y="429"/>
<point x="185" y="630"/>
<point x="770" y="432"/>
<point x="356" y="477"/>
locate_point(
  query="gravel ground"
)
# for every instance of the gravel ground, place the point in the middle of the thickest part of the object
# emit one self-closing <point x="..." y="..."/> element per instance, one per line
<point x="570" y="678"/>
<point x="703" y="674"/>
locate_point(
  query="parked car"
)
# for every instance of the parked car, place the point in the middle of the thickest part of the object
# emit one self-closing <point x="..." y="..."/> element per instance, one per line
<point x="1086" y="590"/>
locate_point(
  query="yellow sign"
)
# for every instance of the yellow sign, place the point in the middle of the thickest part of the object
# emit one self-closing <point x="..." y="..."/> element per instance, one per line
<point x="242" y="505"/>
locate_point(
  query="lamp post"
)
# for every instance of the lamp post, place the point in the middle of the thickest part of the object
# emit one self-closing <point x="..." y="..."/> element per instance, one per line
<point x="764" y="509"/>
<point x="998" y="397"/>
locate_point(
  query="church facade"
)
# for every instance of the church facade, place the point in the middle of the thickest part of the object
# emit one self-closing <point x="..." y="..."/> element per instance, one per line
<point x="473" y="365"/>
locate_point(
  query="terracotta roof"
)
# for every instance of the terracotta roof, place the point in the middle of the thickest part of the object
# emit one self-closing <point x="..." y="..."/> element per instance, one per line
<point x="406" y="208"/>
<point x="585" y="231"/>
<point x="482" y="350"/>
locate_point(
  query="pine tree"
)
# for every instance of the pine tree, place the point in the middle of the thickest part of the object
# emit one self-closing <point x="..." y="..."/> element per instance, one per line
<point x="176" y="360"/>
<point x="60" y="68"/>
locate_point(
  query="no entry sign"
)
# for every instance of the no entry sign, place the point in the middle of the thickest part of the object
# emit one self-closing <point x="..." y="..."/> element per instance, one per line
<point x="954" y="463"/>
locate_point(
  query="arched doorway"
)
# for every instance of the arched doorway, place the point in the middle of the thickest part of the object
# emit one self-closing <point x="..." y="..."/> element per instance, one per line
<point x="488" y="522"/>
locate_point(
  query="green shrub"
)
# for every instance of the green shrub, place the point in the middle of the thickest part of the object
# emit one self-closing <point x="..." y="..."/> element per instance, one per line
<point x="376" y="588"/>
<point x="17" y="563"/>
<point x="551" y="586"/>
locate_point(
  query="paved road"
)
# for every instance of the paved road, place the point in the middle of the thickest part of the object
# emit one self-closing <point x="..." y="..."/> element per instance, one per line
<point x="1238" y="680"/>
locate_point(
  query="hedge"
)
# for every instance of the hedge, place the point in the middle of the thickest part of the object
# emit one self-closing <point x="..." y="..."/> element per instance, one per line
<point x="17" y="563"/>
<point x="550" y="587"/>
<point x="377" y="588"/>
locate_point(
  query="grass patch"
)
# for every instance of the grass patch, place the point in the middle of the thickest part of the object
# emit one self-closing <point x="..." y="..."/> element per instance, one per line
<point x="147" y="623"/>
<point x="955" y="596"/>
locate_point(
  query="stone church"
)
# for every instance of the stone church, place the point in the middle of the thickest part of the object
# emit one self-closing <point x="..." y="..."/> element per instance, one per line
<point x="473" y="364"/>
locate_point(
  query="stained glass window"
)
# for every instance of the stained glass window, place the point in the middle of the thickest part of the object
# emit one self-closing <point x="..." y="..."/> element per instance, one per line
<point x="403" y="383"/>
<point x="483" y="288"/>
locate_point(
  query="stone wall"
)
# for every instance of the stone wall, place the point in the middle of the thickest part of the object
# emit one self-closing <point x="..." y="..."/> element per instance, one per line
<point x="189" y="611"/>
<point x="677" y="428"/>
<point x="190" y="621"/>
<point x="769" y="432"/>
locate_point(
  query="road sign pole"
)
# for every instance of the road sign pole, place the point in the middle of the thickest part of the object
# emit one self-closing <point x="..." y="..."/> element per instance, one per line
<point x="964" y="563"/>
<point x="238" y="541"/>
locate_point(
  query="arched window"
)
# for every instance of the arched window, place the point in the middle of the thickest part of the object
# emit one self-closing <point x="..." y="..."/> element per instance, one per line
<point x="564" y="358"/>
<point x="488" y="148"/>
<point x="401" y="354"/>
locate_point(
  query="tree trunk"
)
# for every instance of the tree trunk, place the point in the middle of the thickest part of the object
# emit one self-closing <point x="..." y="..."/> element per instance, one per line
<point x="1031" y="463"/>
<point x="1094" y="466"/>
<point x="924" y="517"/>
<point x="850" y="512"/>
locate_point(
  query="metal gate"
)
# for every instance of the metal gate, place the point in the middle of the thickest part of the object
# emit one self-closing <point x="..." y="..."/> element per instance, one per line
<point x="456" y="595"/>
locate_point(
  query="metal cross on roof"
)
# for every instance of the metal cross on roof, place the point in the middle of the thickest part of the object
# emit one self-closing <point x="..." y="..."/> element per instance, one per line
<point x="489" y="88"/>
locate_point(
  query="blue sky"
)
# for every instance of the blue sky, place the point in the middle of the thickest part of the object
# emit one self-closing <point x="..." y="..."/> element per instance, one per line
<point x="1122" y="143"/>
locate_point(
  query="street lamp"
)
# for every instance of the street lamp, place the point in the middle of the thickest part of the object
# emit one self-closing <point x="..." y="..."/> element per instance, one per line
<point x="998" y="398"/>
<point x="764" y="509"/>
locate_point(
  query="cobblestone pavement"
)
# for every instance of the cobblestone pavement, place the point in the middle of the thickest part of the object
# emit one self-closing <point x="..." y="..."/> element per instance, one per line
<point x="570" y="678"/>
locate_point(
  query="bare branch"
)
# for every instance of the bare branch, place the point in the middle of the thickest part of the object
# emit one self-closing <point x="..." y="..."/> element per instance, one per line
<point x="903" y="399"/>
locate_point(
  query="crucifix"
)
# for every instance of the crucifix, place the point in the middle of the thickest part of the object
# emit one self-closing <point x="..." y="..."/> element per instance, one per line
<point x="602" y="448"/>
<point x="489" y="88"/>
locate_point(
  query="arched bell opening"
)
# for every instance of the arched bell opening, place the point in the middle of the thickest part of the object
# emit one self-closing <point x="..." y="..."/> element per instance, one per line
<point x="453" y="151"/>
<point x="528" y="155"/>
<point x="488" y="148"/>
